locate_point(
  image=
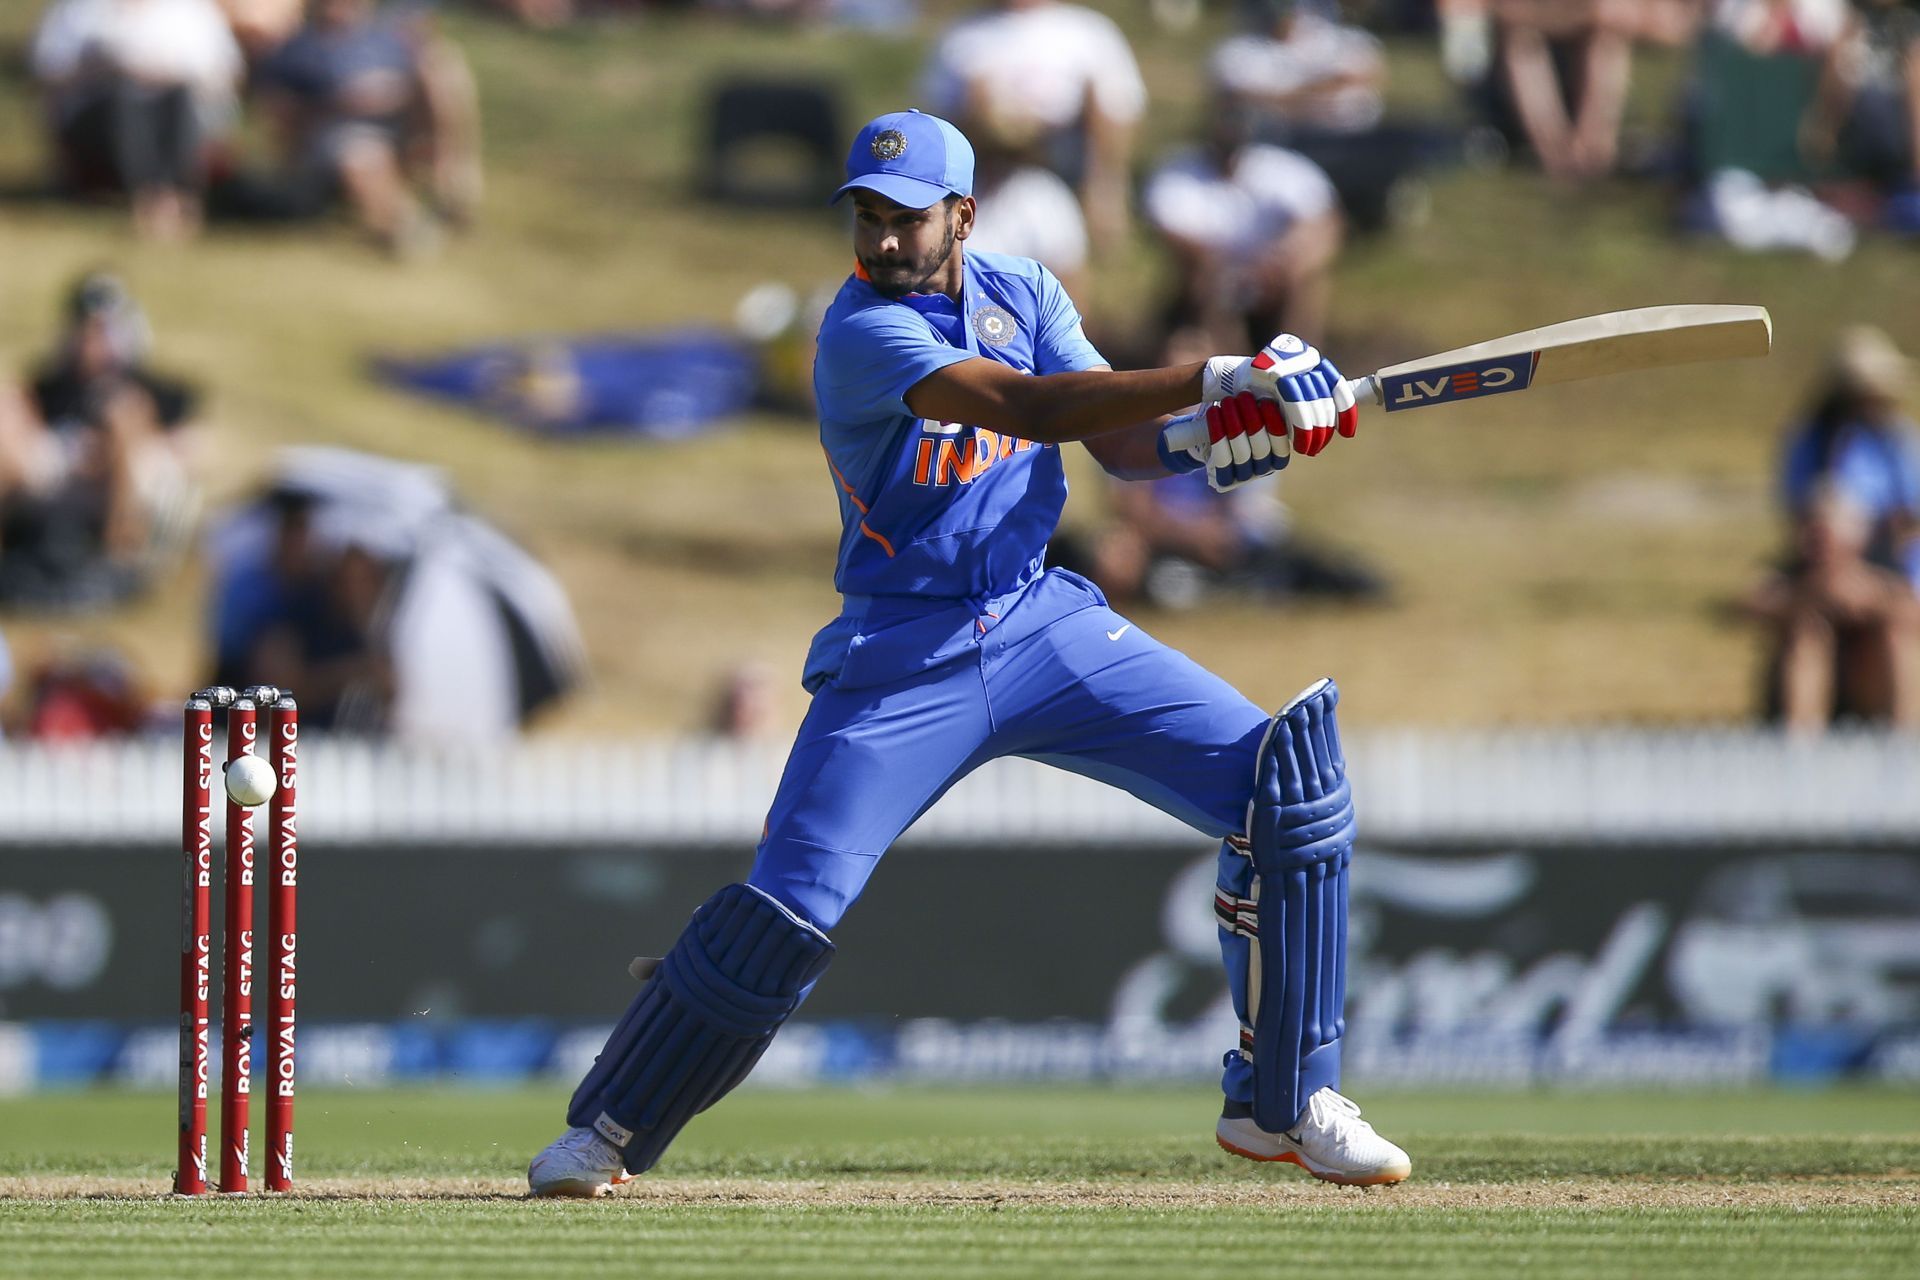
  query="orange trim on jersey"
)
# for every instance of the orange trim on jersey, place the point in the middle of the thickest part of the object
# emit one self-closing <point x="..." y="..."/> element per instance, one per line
<point x="852" y="497"/>
<point x="860" y="272"/>
<point x="855" y="500"/>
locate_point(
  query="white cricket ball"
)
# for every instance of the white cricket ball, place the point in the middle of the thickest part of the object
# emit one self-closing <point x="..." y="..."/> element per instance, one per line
<point x="250" y="781"/>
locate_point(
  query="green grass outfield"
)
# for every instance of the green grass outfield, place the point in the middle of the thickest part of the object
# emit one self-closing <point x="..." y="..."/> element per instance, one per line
<point x="1060" y="1183"/>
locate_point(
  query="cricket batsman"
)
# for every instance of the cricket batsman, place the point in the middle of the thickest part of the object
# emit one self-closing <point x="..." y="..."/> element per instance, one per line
<point x="947" y="382"/>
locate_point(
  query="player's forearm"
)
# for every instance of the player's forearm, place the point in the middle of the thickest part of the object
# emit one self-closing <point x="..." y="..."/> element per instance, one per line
<point x="1132" y="453"/>
<point x="1079" y="406"/>
<point x="1056" y="407"/>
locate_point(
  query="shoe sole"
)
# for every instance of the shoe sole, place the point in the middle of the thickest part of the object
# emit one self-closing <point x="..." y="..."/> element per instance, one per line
<point x="1328" y="1175"/>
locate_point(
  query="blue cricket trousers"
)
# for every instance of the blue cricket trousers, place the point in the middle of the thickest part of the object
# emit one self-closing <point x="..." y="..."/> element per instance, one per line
<point x="1057" y="677"/>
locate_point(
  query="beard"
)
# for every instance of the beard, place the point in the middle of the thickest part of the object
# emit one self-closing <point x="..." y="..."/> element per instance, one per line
<point x="898" y="277"/>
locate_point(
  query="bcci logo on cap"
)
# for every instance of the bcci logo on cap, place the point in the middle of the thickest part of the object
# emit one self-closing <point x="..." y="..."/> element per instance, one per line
<point x="889" y="144"/>
<point x="994" y="326"/>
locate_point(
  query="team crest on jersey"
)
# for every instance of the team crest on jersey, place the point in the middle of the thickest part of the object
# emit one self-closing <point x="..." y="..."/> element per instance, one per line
<point x="994" y="326"/>
<point x="889" y="144"/>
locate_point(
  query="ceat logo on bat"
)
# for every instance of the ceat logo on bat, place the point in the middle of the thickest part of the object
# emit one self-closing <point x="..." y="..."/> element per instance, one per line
<point x="1459" y="381"/>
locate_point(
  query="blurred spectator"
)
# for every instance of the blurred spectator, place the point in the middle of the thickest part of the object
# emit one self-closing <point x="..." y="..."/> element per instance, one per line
<point x="1027" y="210"/>
<point x="1880" y="137"/>
<point x="1845" y="612"/>
<point x="1176" y="543"/>
<point x="95" y="484"/>
<point x="746" y="708"/>
<point x="357" y="583"/>
<point x="1466" y="40"/>
<point x="1313" y="84"/>
<point x="91" y="694"/>
<point x="367" y="106"/>
<point x="1769" y="94"/>
<point x="262" y="26"/>
<point x="280" y="618"/>
<point x="6" y="681"/>
<point x="1253" y="230"/>
<point x="1058" y="76"/>
<point x="781" y="323"/>
<point x="136" y="92"/>
<point x="541" y="15"/>
<point x="771" y="141"/>
<point x="1304" y="69"/>
<point x="326" y="644"/>
<point x="1559" y="85"/>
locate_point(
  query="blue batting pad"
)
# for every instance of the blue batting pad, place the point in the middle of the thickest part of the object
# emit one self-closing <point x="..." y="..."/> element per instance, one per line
<point x="738" y="971"/>
<point x="1288" y="917"/>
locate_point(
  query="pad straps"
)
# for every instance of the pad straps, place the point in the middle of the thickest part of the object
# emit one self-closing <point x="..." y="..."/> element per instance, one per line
<point x="701" y="1022"/>
<point x="1300" y="829"/>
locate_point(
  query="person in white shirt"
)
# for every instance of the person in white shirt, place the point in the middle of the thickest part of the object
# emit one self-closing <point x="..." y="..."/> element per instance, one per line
<point x="135" y="91"/>
<point x="1316" y="85"/>
<point x="1254" y="230"/>
<point x="1059" y="75"/>
<point x="1304" y="69"/>
<point x="1027" y="210"/>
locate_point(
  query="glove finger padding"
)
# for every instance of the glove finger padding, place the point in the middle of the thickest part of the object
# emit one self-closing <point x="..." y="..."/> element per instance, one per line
<point x="1321" y="399"/>
<point x="1328" y="415"/>
<point x="1297" y="394"/>
<point x="1273" y="424"/>
<point x="1259" y="443"/>
<point x="1314" y="395"/>
<point x="1231" y="461"/>
<point x="1346" y="407"/>
<point x="1294" y="414"/>
<point x="1250" y="419"/>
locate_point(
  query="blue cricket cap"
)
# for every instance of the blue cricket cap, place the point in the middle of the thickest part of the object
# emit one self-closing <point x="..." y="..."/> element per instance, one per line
<point x="911" y="158"/>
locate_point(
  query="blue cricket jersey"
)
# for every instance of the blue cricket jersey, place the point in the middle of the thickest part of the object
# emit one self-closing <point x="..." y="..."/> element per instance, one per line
<point x="1878" y="470"/>
<point x="937" y="516"/>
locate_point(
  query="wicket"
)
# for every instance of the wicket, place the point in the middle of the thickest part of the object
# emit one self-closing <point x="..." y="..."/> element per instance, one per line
<point x="196" y="941"/>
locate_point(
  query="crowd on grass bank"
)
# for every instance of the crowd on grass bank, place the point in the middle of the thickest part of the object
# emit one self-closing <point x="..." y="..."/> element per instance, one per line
<point x="1795" y="130"/>
<point x="367" y="108"/>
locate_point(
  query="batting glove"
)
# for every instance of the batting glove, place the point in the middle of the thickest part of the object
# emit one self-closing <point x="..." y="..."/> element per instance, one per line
<point x="1228" y="376"/>
<point x="1314" y="398"/>
<point x="1246" y="437"/>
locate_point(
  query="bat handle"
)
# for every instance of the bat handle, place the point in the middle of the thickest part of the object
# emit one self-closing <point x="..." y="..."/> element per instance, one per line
<point x="1187" y="433"/>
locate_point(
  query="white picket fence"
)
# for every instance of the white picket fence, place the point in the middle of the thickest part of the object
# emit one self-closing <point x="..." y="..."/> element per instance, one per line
<point x="1428" y="785"/>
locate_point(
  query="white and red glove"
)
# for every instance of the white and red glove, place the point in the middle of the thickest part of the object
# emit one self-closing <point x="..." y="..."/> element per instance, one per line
<point x="1313" y="395"/>
<point x="1246" y="437"/>
<point x="1244" y="394"/>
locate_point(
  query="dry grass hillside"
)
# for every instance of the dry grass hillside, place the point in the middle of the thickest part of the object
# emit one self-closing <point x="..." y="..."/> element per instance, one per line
<point x="1557" y="556"/>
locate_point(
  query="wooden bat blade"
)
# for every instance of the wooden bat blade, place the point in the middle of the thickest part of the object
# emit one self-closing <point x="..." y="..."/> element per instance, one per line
<point x="1617" y="342"/>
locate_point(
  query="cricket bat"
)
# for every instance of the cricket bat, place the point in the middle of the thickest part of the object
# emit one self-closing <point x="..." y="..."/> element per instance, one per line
<point x="1617" y="342"/>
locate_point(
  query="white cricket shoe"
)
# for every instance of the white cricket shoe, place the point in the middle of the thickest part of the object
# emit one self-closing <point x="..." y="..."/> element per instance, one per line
<point x="1331" y="1142"/>
<point x="579" y="1163"/>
